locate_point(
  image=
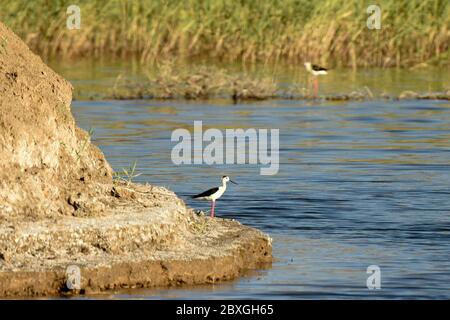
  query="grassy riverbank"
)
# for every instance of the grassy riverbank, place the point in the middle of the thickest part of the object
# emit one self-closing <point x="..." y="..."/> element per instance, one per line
<point x="332" y="32"/>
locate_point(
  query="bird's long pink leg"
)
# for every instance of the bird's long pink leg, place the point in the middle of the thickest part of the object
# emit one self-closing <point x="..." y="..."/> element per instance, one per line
<point x="213" y="204"/>
<point x="316" y="87"/>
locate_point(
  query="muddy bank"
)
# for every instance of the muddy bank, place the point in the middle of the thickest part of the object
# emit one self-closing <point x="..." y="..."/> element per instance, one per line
<point x="136" y="93"/>
<point x="45" y="159"/>
<point x="59" y="204"/>
<point x="209" y="82"/>
<point x="153" y="244"/>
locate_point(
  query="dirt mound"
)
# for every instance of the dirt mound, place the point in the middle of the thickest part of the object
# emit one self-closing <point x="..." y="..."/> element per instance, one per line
<point x="48" y="166"/>
<point x="60" y="207"/>
<point x="165" y="245"/>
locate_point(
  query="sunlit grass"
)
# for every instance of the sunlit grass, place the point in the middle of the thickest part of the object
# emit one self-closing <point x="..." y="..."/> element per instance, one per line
<point x="332" y="32"/>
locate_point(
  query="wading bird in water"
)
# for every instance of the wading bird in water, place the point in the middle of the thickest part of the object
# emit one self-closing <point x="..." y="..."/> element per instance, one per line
<point x="316" y="71"/>
<point x="214" y="193"/>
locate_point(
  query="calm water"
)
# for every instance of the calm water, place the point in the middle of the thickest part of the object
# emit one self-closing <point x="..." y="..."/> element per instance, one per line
<point x="363" y="183"/>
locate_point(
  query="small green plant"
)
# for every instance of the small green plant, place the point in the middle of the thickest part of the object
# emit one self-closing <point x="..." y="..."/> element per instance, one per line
<point x="127" y="175"/>
<point x="200" y="226"/>
<point x="3" y="45"/>
<point x="63" y="109"/>
<point x="77" y="153"/>
<point x="84" y="144"/>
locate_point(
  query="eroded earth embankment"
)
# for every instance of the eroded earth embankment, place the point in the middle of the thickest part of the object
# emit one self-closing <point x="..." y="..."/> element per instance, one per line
<point x="59" y="205"/>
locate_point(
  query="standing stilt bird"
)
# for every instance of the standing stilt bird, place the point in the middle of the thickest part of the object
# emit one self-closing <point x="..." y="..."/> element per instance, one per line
<point x="315" y="70"/>
<point x="214" y="193"/>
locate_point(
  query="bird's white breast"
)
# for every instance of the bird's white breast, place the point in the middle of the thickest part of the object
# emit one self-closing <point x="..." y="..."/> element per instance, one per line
<point x="218" y="194"/>
<point x="319" y="73"/>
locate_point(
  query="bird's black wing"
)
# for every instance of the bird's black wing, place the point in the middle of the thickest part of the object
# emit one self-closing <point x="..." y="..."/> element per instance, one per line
<point x="207" y="193"/>
<point x="315" y="67"/>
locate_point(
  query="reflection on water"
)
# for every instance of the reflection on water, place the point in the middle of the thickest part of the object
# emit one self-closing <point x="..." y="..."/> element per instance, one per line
<point x="359" y="184"/>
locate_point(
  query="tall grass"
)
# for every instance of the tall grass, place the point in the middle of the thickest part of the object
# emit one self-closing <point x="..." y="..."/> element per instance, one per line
<point x="331" y="32"/>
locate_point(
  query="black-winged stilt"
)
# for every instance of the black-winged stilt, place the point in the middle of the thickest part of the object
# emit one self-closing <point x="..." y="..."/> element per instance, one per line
<point x="214" y="193"/>
<point x="315" y="70"/>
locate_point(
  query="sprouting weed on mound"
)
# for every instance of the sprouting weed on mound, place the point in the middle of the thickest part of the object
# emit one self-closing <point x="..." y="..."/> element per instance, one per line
<point x="127" y="175"/>
<point x="3" y="45"/>
<point x="78" y="152"/>
<point x="63" y="110"/>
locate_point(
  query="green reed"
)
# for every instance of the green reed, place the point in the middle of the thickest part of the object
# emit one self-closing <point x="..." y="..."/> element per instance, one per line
<point x="331" y="32"/>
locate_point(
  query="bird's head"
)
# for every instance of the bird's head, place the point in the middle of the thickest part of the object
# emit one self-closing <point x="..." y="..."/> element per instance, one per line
<point x="308" y="66"/>
<point x="225" y="179"/>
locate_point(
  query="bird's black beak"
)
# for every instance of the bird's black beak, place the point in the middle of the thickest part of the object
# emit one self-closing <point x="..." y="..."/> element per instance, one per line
<point x="233" y="182"/>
